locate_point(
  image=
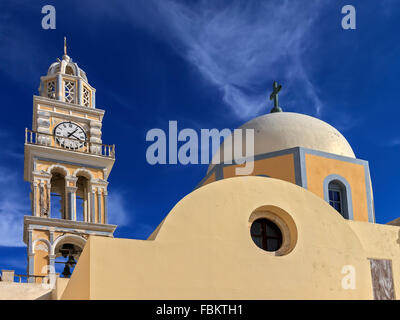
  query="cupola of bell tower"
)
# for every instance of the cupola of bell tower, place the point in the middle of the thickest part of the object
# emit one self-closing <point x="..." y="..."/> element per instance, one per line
<point x="66" y="82"/>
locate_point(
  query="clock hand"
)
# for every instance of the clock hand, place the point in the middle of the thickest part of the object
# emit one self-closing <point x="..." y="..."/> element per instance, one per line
<point x="72" y="133"/>
<point x="76" y="137"/>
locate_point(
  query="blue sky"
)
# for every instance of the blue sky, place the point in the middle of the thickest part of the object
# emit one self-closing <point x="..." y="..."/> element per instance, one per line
<point x="206" y="64"/>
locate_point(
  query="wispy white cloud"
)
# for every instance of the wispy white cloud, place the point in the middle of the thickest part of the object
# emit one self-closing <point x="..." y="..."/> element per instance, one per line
<point x="118" y="213"/>
<point x="242" y="47"/>
<point x="239" y="47"/>
<point x="14" y="204"/>
<point x="11" y="225"/>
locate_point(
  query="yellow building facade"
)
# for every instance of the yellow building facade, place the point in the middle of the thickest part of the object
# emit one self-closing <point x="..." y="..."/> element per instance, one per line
<point x="307" y="184"/>
<point x="300" y="226"/>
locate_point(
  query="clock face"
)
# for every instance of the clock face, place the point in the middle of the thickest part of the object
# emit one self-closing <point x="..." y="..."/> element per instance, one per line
<point x="69" y="135"/>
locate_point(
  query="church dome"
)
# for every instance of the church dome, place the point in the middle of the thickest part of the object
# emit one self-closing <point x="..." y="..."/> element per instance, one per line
<point x="284" y="130"/>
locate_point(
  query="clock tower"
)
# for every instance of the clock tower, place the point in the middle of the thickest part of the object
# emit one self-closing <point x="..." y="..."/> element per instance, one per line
<point x="67" y="165"/>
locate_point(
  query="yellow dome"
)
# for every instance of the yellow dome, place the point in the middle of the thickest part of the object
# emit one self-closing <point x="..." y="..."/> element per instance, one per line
<point x="284" y="130"/>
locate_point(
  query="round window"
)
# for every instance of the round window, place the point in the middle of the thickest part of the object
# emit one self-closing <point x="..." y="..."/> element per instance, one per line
<point x="266" y="234"/>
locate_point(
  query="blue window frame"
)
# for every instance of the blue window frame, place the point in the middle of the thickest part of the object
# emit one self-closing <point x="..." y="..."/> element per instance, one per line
<point x="336" y="197"/>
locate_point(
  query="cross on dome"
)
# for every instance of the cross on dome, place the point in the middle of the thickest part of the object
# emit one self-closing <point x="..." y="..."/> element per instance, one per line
<point x="274" y="96"/>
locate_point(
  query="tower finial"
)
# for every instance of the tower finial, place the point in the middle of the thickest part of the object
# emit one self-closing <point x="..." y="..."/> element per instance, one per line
<point x="274" y="96"/>
<point x="65" y="46"/>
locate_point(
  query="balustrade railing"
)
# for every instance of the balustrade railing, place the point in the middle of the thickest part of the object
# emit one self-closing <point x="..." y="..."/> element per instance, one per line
<point x="60" y="142"/>
<point x="42" y="279"/>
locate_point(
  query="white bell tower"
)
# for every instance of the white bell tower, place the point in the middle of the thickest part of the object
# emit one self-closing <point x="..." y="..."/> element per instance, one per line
<point x="67" y="166"/>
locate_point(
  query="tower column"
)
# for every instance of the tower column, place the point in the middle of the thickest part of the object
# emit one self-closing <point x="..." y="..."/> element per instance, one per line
<point x="52" y="259"/>
<point x="59" y="87"/>
<point x="99" y="204"/>
<point x="70" y="192"/>
<point x="48" y="199"/>
<point x="52" y="256"/>
<point x="34" y="197"/>
<point x="105" y="206"/>
<point x="31" y="265"/>
<point x="71" y="203"/>
<point x="31" y="258"/>
<point x="93" y="98"/>
<point x="92" y="206"/>
<point x="79" y="96"/>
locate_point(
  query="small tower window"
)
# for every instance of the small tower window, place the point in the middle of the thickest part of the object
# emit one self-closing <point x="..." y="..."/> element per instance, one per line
<point x="69" y="70"/>
<point x="69" y="89"/>
<point x="337" y="197"/>
<point x="51" y="89"/>
<point x="86" y="97"/>
<point x="266" y="234"/>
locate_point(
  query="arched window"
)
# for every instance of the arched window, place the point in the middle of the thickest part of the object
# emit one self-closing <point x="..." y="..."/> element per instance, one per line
<point x="338" y="195"/>
<point x="266" y="234"/>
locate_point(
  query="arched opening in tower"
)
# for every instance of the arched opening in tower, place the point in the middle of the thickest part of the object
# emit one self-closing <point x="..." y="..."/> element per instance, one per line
<point x="57" y="196"/>
<point x="82" y="199"/>
<point x="67" y="253"/>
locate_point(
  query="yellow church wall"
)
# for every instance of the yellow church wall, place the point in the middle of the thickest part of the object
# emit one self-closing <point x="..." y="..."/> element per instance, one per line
<point x="280" y="167"/>
<point x="61" y="284"/>
<point x="381" y="241"/>
<point x="318" y="168"/>
<point x="220" y="260"/>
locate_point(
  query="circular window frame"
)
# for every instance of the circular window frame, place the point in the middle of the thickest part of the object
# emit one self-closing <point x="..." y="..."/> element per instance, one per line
<point x="284" y="222"/>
